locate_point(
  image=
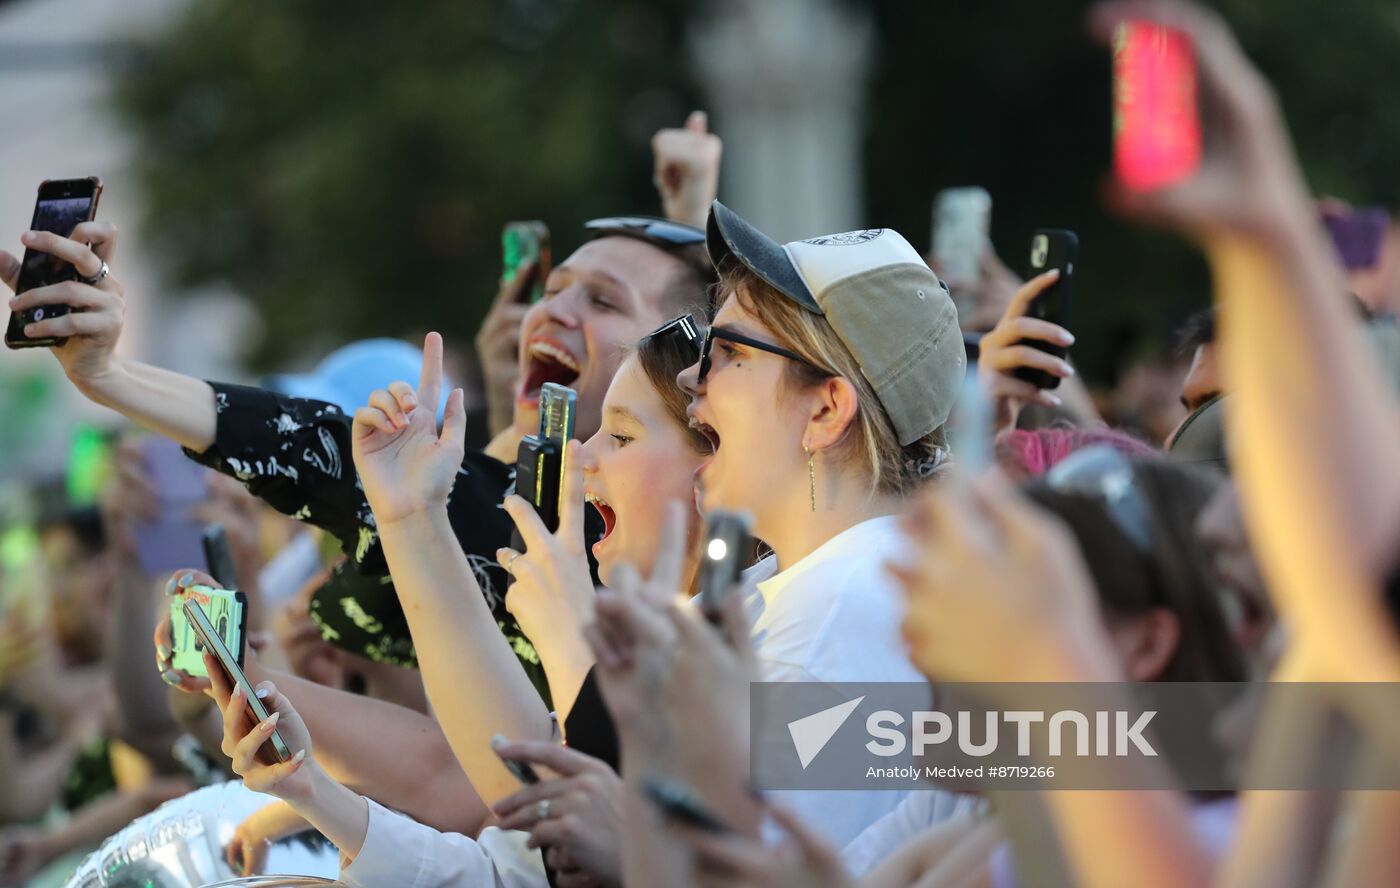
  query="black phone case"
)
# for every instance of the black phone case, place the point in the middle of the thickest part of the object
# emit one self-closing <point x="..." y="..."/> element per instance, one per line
<point x="537" y="470"/>
<point x="14" y="330"/>
<point x="1061" y="250"/>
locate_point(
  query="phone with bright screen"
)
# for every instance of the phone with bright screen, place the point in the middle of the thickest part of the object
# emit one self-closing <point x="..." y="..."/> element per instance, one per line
<point x="62" y="205"/>
<point x="1157" y="127"/>
<point x="522" y="243"/>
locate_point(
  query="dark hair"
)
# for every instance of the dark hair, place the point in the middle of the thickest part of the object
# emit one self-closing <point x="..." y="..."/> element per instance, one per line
<point x="691" y="289"/>
<point x="663" y="358"/>
<point x="1175" y="575"/>
<point x="1198" y="330"/>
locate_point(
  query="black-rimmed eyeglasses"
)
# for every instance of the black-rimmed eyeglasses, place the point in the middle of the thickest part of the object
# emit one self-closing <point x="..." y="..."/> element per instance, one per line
<point x="714" y="332"/>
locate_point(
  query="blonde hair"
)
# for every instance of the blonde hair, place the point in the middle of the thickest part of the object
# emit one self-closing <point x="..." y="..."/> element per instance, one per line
<point x="870" y="440"/>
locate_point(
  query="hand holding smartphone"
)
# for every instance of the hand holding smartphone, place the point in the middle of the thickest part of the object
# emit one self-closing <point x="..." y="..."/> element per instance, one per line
<point x="728" y="540"/>
<point x="1156" y="124"/>
<point x="523" y="771"/>
<point x="61" y="206"/>
<point x="524" y="243"/>
<point x="539" y="467"/>
<point x="1050" y="248"/>
<point x="275" y="750"/>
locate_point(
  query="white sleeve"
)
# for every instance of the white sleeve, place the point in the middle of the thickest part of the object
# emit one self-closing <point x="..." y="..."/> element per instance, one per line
<point x="400" y="852"/>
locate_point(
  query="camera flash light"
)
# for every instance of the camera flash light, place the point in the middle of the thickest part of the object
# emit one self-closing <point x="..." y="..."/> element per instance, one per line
<point x="717" y="549"/>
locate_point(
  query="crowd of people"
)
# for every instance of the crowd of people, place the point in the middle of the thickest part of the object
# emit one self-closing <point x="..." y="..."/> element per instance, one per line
<point x="409" y="649"/>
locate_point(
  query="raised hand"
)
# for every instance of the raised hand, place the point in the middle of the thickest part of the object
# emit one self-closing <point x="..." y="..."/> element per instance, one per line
<point x="97" y="310"/>
<point x="1001" y="354"/>
<point x="552" y="597"/>
<point x="996" y="574"/>
<point x="687" y="169"/>
<point x="175" y="589"/>
<point x="242" y="738"/>
<point x="1248" y="178"/>
<point x="734" y="860"/>
<point x="579" y="813"/>
<point x="405" y="465"/>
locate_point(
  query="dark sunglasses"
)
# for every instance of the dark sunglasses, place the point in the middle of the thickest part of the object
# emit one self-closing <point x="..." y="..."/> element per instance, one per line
<point x="662" y="232"/>
<point x="714" y="332"/>
<point x="1104" y="474"/>
<point x="683" y="329"/>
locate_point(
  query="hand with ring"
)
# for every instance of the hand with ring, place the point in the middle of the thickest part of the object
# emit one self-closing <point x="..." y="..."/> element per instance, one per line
<point x="95" y="303"/>
<point x="577" y="816"/>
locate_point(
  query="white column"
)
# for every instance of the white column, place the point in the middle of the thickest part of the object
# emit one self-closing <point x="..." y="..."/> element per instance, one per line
<point x="785" y="82"/>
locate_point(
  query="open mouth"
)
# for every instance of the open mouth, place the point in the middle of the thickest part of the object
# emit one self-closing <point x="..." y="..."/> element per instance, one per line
<point x="708" y="431"/>
<point x="606" y="511"/>
<point x="548" y="362"/>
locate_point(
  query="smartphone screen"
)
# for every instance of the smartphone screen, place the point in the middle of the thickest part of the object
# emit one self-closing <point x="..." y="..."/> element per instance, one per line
<point x="521" y="243"/>
<point x="61" y="206"/>
<point x="962" y="219"/>
<point x="173" y="538"/>
<point x="1157" y="129"/>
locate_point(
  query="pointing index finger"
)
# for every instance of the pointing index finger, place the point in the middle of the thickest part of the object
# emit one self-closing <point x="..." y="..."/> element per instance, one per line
<point x="430" y="383"/>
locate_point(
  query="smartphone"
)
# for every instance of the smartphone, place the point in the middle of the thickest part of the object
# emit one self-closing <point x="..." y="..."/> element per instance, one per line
<point x="1050" y="248"/>
<point x="522" y="770"/>
<point x="62" y="205"/>
<point x="227" y="612"/>
<point x="962" y="219"/>
<point x="679" y="803"/>
<point x="172" y="539"/>
<point x="971" y="431"/>
<point x="256" y="711"/>
<point x="728" y="540"/>
<point x="539" y="463"/>
<point x="217" y="556"/>
<point x="522" y="243"/>
<point x="1358" y="235"/>
<point x="1156" y="124"/>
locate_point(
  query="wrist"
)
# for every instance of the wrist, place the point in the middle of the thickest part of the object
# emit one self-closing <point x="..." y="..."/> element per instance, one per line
<point x="428" y="518"/>
<point x="97" y="384"/>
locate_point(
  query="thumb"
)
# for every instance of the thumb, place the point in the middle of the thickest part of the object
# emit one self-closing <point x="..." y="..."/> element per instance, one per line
<point x="454" y="419"/>
<point x="697" y="122"/>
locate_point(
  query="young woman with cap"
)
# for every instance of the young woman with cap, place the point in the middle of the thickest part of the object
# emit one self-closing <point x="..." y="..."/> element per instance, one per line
<point x="823" y="385"/>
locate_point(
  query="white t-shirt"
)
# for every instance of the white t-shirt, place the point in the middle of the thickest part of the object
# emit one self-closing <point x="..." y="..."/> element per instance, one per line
<point x="834" y="617"/>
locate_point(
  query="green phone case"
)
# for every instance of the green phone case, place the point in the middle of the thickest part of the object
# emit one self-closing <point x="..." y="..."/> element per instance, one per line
<point x="226" y="611"/>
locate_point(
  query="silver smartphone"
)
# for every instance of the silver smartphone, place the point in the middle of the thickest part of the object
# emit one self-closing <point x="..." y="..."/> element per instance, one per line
<point x="199" y="621"/>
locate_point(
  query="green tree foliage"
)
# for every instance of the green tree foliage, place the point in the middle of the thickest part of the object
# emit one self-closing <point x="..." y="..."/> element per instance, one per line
<point x="1013" y="96"/>
<point x="348" y="165"/>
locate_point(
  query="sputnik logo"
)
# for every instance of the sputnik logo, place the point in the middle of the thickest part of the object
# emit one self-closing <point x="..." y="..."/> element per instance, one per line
<point x="811" y="733"/>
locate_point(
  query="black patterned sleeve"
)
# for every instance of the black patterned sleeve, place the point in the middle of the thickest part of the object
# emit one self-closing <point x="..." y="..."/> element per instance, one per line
<point x="294" y="454"/>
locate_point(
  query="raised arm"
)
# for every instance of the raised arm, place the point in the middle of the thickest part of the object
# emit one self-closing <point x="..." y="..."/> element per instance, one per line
<point x="1309" y="404"/>
<point x="474" y="681"/>
<point x="177" y="406"/>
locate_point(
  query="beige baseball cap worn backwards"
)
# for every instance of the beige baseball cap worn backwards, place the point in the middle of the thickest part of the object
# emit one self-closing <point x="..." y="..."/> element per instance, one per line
<point x="891" y="311"/>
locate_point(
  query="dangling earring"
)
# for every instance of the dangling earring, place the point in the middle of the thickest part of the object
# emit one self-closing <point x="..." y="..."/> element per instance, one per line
<point x="811" y="477"/>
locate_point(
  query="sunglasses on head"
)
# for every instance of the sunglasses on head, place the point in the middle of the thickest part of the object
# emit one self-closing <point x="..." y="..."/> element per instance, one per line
<point x="682" y="328"/>
<point x="661" y="232"/>
<point x="714" y="332"/>
<point x="1104" y="474"/>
